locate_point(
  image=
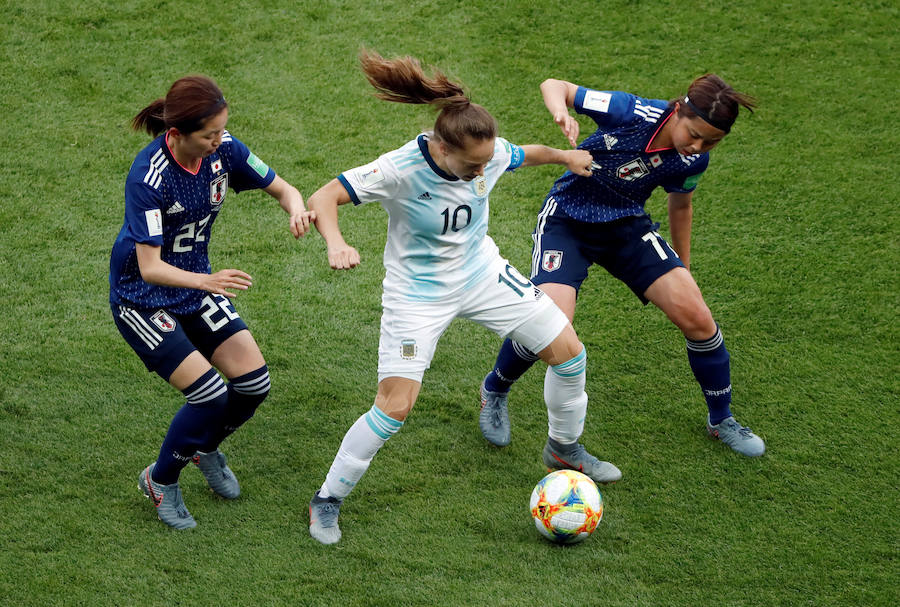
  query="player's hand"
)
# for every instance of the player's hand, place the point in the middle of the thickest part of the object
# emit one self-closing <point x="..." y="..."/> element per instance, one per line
<point x="579" y="162"/>
<point x="568" y="125"/>
<point x="223" y="280"/>
<point x="300" y="222"/>
<point x="343" y="257"/>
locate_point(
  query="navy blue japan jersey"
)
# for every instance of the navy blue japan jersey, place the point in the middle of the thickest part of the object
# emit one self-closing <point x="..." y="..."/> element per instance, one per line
<point x="170" y="207"/>
<point x="626" y="168"/>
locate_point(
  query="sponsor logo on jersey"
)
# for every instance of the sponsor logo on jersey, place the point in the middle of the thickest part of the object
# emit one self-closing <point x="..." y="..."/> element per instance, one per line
<point x="163" y="321"/>
<point x="369" y="175"/>
<point x="655" y="161"/>
<point x="408" y="349"/>
<point x="154" y="222"/>
<point x="632" y="170"/>
<point x="597" y="101"/>
<point x="217" y="190"/>
<point x="257" y="165"/>
<point x="425" y="196"/>
<point x="551" y="260"/>
<point x="217" y="165"/>
<point x="609" y="140"/>
<point x="480" y="186"/>
<point x="175" y="208"/>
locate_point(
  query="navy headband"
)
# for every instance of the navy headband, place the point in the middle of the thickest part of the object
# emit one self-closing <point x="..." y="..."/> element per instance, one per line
<point x="719" y="124"/>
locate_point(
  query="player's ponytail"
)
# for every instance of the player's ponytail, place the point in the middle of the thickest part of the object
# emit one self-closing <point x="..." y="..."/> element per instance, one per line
<point x="403" y="80"/>
<point x="150" y="118"/>
<point x="714" y="101"/>
<point x="188" y="104"/>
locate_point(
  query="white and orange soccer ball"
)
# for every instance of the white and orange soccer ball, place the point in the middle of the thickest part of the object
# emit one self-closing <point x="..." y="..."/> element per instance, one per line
<point x="566" y="506"/>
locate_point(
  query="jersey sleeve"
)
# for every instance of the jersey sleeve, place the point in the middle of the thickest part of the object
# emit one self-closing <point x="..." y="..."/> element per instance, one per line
<point x="247" y="171"/>
<point x="688" y="182"/>
<point x="143" y="207"/>
<point x="373" y="182"/>
<point x="606" y="108"/>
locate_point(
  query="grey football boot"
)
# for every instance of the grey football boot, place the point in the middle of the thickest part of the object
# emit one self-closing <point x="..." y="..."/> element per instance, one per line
<point x="557" y="456"/>
<point x="493" y="419"/>
<point x="738" y="437"/>
<point x="218" y="475"/>
<point x="169" y="504"/>
<point x="323" y="519"/>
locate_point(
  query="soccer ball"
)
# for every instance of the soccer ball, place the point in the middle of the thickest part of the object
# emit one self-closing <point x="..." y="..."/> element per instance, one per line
<point x="566" y="506"/>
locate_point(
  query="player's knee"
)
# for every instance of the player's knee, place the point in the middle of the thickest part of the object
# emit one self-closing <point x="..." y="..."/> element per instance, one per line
<point x="564" y="348"/>
<point x="694" y="319"/>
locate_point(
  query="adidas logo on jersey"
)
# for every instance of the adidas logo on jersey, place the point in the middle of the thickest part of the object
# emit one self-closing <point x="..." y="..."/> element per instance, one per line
<point x="175" y="208"/>
<point x="425" y="196"/>
<point x="609" y="140"/>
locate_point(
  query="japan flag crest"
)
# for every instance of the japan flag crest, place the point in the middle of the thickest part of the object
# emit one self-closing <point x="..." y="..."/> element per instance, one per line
<point x="551" y="260"/>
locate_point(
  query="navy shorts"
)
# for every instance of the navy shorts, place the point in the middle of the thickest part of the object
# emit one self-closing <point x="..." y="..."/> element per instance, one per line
<point x="163" y="340"/>
<point x="630" y="249"/>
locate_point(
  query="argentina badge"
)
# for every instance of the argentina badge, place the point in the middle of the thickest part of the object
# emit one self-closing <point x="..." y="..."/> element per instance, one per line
<point x="480" y="185"/>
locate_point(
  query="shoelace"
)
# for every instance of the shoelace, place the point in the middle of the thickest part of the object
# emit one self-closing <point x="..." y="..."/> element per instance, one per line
<point x="328" y="514"/>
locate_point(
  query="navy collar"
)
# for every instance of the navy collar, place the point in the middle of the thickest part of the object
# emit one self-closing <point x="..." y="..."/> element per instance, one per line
<point x="423" y="146"/>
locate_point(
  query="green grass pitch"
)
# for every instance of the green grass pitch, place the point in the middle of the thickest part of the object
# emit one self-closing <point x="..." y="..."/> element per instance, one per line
<point x="795" y="247"/>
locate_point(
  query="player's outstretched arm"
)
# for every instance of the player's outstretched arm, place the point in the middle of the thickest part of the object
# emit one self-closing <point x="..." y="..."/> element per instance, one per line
<point x="292" y="202"/>
<point x="577" y="161"/>
<point x="156" y="271"/>
<point x="324" y="204"/>
<point x="559" y="96"/>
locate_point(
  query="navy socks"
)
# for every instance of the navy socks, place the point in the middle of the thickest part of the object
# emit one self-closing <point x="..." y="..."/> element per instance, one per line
<point x="709" y="361"/>
<point x="513" y="361"/>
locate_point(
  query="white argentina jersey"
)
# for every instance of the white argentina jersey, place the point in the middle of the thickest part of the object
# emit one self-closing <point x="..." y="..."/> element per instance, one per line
<point x="437" y="242"/>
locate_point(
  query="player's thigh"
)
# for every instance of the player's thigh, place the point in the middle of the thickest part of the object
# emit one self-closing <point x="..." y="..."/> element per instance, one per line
<point x="409" y="335"/>
<point x="238" y="355"/>
<point x="510" y="305"/>
<point x="641" y="256"/>
<point x="221" y="335"/>
<point x="192" y="368"/>
<point x="158" y="338"/>
<point x="676" y="293"/>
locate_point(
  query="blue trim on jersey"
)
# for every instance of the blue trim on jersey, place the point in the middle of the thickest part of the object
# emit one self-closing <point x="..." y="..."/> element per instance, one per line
<point x="423" y="146"/>
<point x="349" y="188"/>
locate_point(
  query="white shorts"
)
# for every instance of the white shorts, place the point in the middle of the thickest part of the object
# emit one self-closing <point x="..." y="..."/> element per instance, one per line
<point x="505" y="302"/>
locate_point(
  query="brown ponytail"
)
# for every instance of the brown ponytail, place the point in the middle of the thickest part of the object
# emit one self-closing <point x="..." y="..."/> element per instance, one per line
<point x="188" y="104"/>
<point x="403" y="80"/>
<point x="714" y="101"/>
